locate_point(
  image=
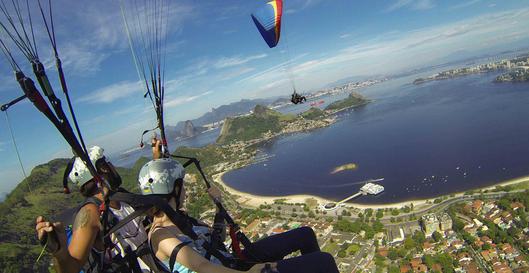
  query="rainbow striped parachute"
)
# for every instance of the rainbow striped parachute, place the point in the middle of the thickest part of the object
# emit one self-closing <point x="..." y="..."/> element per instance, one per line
<point x="268" y="21"/>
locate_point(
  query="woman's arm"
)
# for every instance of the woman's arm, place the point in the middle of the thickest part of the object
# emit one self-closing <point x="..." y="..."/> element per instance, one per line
<point x="164" y="243"/>
<point x="85" y="229"/>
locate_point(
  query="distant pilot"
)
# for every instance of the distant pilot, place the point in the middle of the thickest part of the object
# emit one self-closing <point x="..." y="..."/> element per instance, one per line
<point x="297" y="98"/>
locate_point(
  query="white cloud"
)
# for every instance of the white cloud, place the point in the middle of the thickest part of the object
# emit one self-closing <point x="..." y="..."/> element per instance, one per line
<point x="423" y="4"/>
<point x="236" y="73"/>
<point x="310" y="3"/>
<point x="465" y="4"/>
<point x="128" y="110"/>
<point x="297" y="5"/>
<point x="206" y="70"/>
<point x="343" y="36"/>
<point x="412" y="4"/>
<point x="184" y="99"/>
<point x="80" y="60"/>
<point x="2" y="146"/>
<point x="237" y="60"/>
<point x="273" y="72"/>
<point x="114" y="141"/>
<point x="113" y="92"/>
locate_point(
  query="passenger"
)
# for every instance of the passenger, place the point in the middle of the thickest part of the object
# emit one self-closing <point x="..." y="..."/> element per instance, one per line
<point x="179" y="253"/>
<point x="86" y="248"/>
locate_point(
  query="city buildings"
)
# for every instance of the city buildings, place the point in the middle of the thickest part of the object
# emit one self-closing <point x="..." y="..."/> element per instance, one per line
<point x="445" y="222"/>
<point x="430" y="224"/>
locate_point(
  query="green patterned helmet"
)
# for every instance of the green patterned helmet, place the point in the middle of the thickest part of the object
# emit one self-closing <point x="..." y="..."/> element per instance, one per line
<point x="159" y="176"/>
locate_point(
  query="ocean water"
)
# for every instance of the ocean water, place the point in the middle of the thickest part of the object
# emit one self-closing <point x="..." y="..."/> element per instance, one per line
<point x="424" y="140"/>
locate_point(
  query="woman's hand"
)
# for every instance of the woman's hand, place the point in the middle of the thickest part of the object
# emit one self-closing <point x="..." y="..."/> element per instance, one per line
<point x="156" y="145"/>
<point x="260" y="268"/>
<point x="215" y="193"/>
<point x="52" y="235"/>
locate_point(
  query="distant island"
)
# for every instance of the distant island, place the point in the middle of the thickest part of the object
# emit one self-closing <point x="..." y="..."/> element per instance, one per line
<point x="264" y="123"/>
<point x="353" y="100"/>
<point x="517" y="67"/>
<point x="345" y="167"/>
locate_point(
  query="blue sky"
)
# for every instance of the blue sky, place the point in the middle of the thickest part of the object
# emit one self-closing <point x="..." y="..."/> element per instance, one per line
<point x="216" y="56"/>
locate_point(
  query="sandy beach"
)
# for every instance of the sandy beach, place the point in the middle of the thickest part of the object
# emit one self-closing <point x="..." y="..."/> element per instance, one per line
<point x="252" y="200"/>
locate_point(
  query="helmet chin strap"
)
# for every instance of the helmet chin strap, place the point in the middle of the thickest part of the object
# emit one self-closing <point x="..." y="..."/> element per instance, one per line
<point x="180" y="183"/>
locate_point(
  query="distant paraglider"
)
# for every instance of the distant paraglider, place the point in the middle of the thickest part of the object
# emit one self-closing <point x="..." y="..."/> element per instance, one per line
<point x="297" y="98"/>
<point x="267" y="19"/>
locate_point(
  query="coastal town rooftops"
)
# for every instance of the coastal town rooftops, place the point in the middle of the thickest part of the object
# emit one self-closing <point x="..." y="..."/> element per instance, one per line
<point x="253" y="225"/>
<point x="437" y="268"/>
<point x="278" y="230"/>
<point x="472" y="267"/>
<point x="415" y="262"/>
<point x="427" y="246"/>
<point x="477" y="205"/>
<point x="517" y="205"/>
<point x="464" y="256"/>
<point x="501" y="268"/>
<point x="405" y="268"/>
<point x="383" y="251"/>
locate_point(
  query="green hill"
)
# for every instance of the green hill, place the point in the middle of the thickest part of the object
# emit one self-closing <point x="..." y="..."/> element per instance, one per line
<point x="354" y="99"/>
<point x="313" y="113"/>
<point x="19" y="247"/>
<point x="252" y="126"/>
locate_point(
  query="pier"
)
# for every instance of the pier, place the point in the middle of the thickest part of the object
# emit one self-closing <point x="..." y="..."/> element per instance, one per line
<point x="369" y="188"/>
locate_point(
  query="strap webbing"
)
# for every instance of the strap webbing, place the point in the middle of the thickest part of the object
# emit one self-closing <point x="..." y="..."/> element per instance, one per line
<point x="138" y="212"/>
<point x="176" y="249"/>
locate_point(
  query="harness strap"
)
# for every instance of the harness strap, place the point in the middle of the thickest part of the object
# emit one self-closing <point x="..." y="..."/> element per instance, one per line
<point x="130" y="256"/>
<point x="218" y="229"/>
<point x="138" y="212"/>
<point x="172" y="258"/>
<point x="235" y="244"/>
<point x="145" y="253"/>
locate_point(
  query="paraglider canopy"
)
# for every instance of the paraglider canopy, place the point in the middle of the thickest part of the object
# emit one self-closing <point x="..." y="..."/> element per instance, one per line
<point x="267" y="19"/>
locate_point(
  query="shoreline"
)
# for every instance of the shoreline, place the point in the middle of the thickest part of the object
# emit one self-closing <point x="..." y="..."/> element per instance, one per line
<point x="253" y="200"/>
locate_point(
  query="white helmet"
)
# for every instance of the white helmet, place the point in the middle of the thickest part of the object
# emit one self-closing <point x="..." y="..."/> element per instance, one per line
<point x="159" y="176"/>
<point x="80" y="173"/>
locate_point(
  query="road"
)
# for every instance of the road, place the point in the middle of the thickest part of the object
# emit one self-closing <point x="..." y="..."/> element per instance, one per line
<point x="446" y="203"/>
<point x="287" y="209"/>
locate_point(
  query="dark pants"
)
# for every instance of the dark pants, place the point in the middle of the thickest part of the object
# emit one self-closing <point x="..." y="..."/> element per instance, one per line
<point x="276" y="247"/>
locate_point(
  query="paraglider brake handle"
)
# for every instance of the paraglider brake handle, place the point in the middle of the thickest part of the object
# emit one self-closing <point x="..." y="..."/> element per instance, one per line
<point x="6" y="106"/>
